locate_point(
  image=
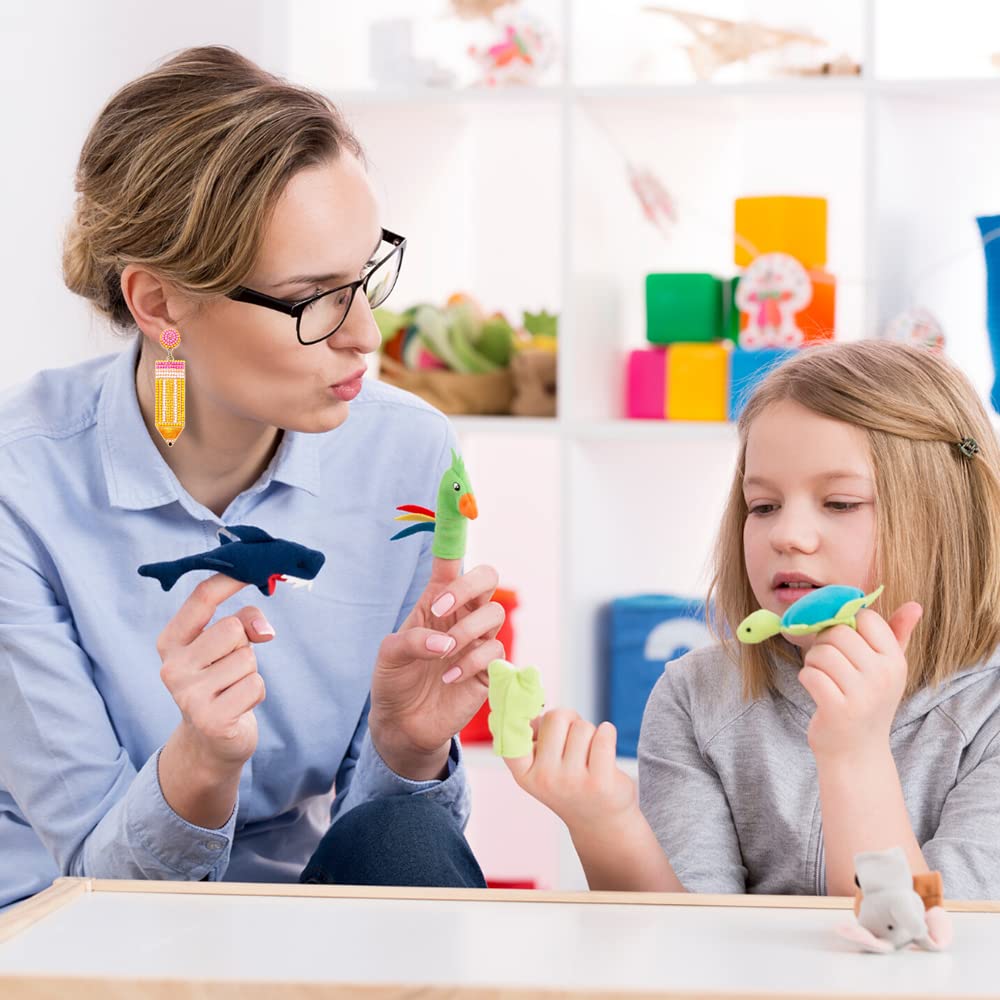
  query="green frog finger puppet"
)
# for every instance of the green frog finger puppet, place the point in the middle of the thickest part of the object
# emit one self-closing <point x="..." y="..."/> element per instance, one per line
<point x="516" y="698"/>
<point x="815" y="611"/>
<point x="456" y="506"/>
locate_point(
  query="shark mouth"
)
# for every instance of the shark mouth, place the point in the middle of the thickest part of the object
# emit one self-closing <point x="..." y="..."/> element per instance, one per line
<point x="296" y="582"/>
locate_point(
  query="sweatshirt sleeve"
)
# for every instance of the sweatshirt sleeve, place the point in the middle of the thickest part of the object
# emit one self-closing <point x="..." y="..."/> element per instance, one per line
<point x="965" y="847"/>
<point x="682" y="796"/>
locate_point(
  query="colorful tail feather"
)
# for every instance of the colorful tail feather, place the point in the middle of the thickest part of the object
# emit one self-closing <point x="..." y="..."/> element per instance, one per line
<point x="413" y="512"/>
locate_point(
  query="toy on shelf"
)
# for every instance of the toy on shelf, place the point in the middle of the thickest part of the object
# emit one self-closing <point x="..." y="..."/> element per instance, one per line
<point x="895" y="909"/>
<point x="791" y="224"/>
<point x="464" y="361"/>
<point x="644" y="633"/>
<point x="917" y="326"/>
<point x="247" y="554"/>
<point x="719" y="42"/>
<point x="456" y="506"/>
<point x="468" y="10"/>
<point x="697" y="380"/>
<point x="516" y="698"/>
<point x="771" y="291"/>
<point x="989" y="229"/>
<point x="478" y="729"/>
<point x="815" y="611"/>
<point x="705" y="331"/>
<point x="521" y="55"/>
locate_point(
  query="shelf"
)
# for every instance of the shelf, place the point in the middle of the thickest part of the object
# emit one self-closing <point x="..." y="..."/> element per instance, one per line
<point x="923" y="88"/>
<point x="598" y="430"/>
<point x="470" y="424"/>
<point x="422" y="96"/>
<point x="792" y="86"/>
<point x="654" y="430"/>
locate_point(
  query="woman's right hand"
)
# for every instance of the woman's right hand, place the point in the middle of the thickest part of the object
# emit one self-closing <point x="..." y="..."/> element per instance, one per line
<point x="211" y="673"/>
<point x="573" y="771"/>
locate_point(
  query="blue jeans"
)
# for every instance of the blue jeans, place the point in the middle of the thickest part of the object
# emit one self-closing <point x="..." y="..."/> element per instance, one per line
<point x="397" y="840"/>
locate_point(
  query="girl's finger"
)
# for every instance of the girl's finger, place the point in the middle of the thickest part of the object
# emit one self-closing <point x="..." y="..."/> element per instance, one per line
<point x="821" y="688"/>
<point x="552" y="737"/>
<point x="577" y="748"/>
<point x="602" y="761"/>
<point x="832" y="662"/>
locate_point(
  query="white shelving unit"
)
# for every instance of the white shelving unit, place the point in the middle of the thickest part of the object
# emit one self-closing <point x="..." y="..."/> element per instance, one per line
<point x="520" y="197"/>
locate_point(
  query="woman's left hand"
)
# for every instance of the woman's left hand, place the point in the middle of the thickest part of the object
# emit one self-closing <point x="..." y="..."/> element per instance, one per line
<point x="430" y="678"/>
<point x="856" y="679"/>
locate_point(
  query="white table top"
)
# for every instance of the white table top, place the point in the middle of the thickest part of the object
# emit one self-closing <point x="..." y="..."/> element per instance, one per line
<point x="477" y="941"/>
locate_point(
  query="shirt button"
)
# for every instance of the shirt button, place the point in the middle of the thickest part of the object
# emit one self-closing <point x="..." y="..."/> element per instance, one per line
<point x="214" y="845"/>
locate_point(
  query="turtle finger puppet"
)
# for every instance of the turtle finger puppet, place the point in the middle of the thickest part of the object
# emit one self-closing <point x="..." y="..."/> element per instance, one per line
<point x="813" y="612"/>
<point x="895" y="909"/>
<point x="516" y="698"/>
<point x="248" y="554"/>
<point x="456" y="506"/>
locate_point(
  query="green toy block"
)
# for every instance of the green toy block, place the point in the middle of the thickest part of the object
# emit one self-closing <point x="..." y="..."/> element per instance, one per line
<point x="683" y="308"/>
<point x="731" y="312"/>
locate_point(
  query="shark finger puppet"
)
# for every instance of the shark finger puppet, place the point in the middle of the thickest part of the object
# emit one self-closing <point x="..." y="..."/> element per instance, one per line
<point x="895" y="909"/>
<point x="516" y="697"/>
<point x="248" y="554"/>
<point x="815" y="611"/>
<point x="456" y="506"/>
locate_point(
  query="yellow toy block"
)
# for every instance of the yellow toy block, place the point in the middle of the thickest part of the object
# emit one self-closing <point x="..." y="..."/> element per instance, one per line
<point x="697" y="382"/>
<point x="781" y="224"/>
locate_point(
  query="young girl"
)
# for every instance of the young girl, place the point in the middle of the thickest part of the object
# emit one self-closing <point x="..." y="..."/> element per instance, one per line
<point x="767" y="768"/>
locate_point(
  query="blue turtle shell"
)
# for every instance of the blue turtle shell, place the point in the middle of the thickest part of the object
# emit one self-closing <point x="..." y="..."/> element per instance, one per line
<point x="820" y="605"/>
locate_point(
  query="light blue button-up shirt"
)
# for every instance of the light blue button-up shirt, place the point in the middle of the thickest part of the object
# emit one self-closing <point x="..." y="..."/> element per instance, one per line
<point x="85" y="499"/>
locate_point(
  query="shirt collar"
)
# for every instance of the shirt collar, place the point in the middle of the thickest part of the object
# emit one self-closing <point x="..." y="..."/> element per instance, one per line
<point x="138" y="478"/>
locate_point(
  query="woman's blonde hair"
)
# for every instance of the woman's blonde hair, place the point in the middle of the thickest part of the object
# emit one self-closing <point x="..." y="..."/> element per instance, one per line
<point x="181" y="171"/>
<point x="937" y="510"/>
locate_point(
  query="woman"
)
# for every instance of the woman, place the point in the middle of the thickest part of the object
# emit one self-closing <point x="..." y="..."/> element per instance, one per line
<point x="220" y="202"/>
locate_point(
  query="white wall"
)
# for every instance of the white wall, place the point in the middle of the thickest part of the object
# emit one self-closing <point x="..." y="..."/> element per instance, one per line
<point x="60" y="60"/>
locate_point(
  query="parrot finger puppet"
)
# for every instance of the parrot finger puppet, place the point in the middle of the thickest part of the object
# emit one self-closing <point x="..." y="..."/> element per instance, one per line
<point x="516" y="698"/>
<point x="891" y="913"/>
<point x="247" y="554"/>
<point x="815" y="611"/>
<point x="456" y="506"/>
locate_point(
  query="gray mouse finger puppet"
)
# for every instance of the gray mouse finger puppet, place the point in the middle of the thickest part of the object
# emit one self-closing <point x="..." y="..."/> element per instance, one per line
<point x="891" y="913"/>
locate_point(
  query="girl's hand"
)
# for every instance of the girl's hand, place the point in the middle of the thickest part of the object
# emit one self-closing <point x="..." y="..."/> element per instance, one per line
<point x="211" y="673"/>
<point x="572" y="770"/>
<point x="430" y="678"/>
<point x="856" y="679"/>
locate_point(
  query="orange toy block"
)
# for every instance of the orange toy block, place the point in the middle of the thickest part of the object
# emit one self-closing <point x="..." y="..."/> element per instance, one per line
<point x="781" y="224"/>
<point x="818" y="320"/>
<point x="697" y="382"/>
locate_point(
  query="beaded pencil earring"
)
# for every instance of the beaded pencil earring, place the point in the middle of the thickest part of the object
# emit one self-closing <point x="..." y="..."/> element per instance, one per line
<point x="169" y="383"/>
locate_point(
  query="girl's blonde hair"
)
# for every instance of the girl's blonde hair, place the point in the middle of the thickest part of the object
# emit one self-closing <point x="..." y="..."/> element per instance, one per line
<point x="937" y="511"/>
<point x="181" y="171"/>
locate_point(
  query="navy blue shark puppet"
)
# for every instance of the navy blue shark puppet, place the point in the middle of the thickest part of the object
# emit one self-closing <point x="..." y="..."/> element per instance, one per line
<point x="248" y="554"/>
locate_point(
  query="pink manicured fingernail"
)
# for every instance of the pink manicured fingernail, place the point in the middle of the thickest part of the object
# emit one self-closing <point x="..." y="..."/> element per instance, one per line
<point x="262" y="626"/>
<point x="440" y="643"/>
<point x="452" y="675"/>
<point x="443" y="605"/>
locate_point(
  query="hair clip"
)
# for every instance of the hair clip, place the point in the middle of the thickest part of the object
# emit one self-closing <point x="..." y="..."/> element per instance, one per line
<point x="969" y="447"/>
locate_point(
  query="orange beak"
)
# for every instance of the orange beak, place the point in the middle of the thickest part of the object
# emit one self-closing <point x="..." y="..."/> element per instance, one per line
<point x="467" y="506"/>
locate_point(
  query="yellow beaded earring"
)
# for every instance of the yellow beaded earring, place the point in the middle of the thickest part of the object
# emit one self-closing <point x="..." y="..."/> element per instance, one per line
<point x="170" y="390"/>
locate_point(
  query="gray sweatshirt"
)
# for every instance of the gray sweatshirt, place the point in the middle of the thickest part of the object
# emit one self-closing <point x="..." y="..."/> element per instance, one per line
<point x="731" y="791"/>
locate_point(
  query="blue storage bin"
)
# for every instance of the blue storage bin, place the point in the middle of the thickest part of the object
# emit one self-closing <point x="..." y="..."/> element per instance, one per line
<point x="644" y="633"/>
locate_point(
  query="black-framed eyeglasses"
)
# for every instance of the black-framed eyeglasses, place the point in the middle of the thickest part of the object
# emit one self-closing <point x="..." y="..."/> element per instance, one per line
<point x="322" y="315"/>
